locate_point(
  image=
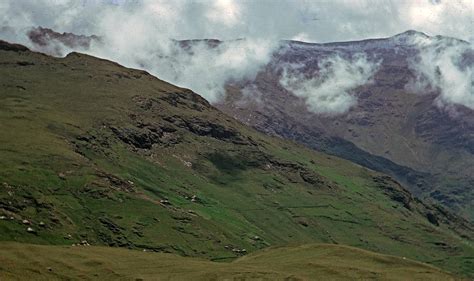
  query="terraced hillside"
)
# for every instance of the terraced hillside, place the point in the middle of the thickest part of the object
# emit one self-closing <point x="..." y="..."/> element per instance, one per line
<point x="95" y="153"/>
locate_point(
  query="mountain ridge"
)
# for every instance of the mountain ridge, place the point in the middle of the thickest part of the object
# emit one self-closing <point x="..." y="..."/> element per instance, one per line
<point x="415" y="171"/>
<point x="114" y="156"/>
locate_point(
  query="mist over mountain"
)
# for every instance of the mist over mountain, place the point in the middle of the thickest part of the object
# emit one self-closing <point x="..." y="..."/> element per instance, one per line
<point x="285" y="139"/>
<point x="152" y="28"/>
<point x="405" y="101"/>
<point x="412" y="114"/>
<point x="119" y="158"/>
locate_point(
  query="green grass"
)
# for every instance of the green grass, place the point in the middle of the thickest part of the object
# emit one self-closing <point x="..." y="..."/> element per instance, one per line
<point x="62" y="164"/>
<point x="307" y="262"/>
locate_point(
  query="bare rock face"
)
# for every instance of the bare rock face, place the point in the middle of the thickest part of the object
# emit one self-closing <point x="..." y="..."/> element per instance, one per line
<point x="54" y="43"/>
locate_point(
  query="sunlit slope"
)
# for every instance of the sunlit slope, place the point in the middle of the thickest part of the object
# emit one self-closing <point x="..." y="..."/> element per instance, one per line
<point x="92" y="151"/>
<point x="309" y="262"/>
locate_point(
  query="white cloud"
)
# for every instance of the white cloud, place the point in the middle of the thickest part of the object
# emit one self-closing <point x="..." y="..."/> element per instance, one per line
<point x="446" y="17"/>
<point x="224" y="11"/>
<point x="302" y="36"/>
<point x="322" y="21"/>
<point x="207" y="70"/>
<point x="141" y="35"/>
<point x="328" y="91"/>
<point x="138" y="33"/>
<point x="442" y="66"/>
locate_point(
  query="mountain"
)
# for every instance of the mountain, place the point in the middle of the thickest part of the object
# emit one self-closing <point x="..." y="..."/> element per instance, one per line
<point x="392" y="129"/>
<point x="95" y="153"/>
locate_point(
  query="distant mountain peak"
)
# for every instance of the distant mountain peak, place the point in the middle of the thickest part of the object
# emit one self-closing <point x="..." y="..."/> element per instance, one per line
<point x="411" y="33"/>
<point x="409" y="37"/>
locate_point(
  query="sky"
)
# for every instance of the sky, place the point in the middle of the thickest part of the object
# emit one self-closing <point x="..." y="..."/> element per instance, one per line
<point x="140" y="33"/>
<point x="307" y="20"/>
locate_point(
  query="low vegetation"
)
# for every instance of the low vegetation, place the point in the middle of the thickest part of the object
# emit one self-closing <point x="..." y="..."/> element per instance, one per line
<point x="93" y="153"/>
<point x="327" y="262"/>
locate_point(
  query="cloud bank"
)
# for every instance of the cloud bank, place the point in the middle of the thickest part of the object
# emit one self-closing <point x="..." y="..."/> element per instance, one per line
<point x="319" y="21"/>
<point x="142" y="33"/>
<point x="328" y="91"/>
<point x="446" y="66"/>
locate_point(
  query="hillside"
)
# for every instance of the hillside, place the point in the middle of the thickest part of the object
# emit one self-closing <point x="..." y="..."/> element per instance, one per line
<point x="96" y="153"/>
<point x="391" y="128"/>
<point x="325" y="261"/>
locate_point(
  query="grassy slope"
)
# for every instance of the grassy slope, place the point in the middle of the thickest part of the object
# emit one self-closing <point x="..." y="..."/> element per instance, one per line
<point x="308" y="262"/>
<point x="71" y="131"/>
